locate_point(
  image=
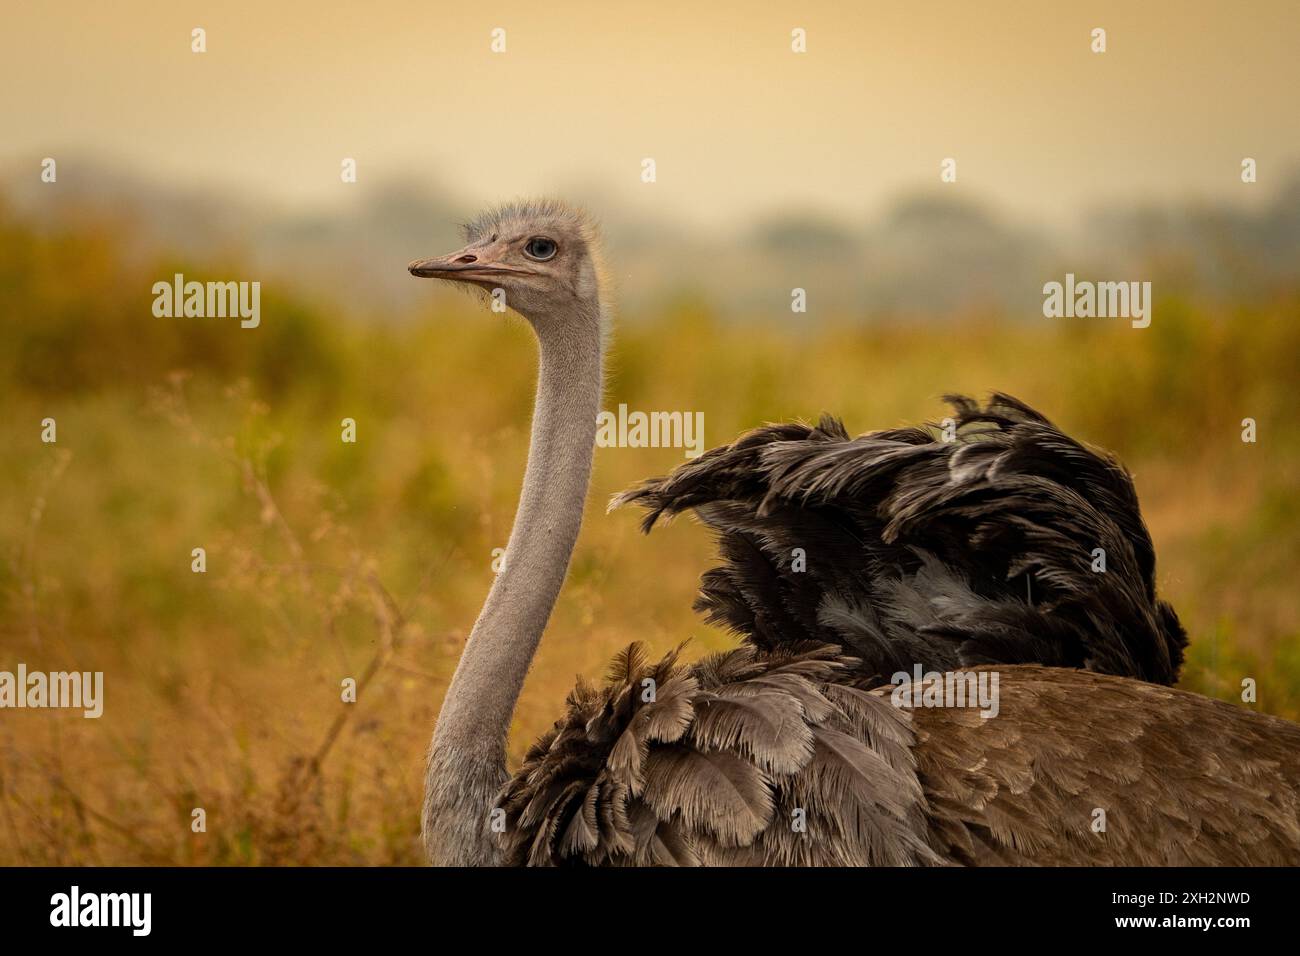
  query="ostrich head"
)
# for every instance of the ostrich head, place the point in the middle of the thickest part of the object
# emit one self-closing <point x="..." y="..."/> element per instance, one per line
<point x="543" y="254"/>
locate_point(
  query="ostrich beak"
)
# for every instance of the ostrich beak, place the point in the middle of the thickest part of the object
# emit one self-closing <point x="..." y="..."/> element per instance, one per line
<point x="463" y="265"/>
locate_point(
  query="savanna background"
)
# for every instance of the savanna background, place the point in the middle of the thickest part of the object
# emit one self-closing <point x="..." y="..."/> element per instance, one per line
<point x="776" y="170"/>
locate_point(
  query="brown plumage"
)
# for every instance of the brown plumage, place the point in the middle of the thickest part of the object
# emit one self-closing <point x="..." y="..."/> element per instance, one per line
<point x="713" y="770"/>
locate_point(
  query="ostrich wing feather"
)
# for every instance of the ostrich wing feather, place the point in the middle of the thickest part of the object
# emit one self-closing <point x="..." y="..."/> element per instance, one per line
<point x="955" y="553"/>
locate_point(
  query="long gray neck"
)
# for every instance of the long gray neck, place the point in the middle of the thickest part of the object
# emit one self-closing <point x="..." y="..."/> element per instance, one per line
<point x="467" y="764"/>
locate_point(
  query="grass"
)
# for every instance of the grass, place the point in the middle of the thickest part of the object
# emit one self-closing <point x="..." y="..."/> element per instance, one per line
<point x="328" y="560"/>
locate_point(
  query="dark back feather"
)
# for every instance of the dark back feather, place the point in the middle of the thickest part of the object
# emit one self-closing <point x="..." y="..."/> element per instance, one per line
<point x="919" y="550"/>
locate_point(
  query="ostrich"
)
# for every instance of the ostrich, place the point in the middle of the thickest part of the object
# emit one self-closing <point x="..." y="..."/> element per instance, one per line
<point x="790" y="749"/>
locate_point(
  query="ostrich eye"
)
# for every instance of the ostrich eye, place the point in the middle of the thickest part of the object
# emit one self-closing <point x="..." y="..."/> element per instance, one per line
<point x="541" y="248"/>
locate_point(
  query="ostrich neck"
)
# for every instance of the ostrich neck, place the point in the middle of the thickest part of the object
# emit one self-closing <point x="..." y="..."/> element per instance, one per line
<point x="467" y="764"/>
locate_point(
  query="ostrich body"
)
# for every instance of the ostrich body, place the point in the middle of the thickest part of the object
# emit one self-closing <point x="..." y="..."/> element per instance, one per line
<point x="789" y="749"/>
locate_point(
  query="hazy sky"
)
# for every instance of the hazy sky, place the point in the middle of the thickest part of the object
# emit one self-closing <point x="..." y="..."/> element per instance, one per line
<point x="737" y="123"/>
